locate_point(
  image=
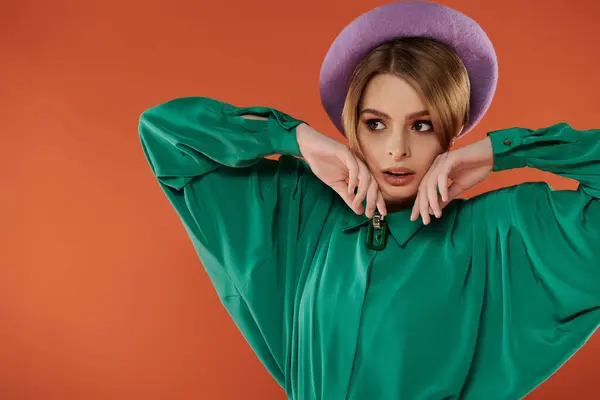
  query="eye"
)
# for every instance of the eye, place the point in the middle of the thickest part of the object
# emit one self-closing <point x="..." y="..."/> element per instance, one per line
<point x="422" y="126"/>
<point x="375" y="125"/>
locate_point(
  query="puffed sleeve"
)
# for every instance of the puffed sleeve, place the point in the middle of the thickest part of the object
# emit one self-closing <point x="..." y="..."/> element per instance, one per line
<point x="542" y="250"/>
<point x="245" y="214"/>
<point x="555" y="233"/>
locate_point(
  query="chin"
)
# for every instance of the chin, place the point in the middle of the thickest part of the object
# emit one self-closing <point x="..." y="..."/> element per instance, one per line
<point x="399" y="194"/>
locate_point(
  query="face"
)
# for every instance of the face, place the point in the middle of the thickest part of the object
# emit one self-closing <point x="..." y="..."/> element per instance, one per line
<point x="396" y="137"/>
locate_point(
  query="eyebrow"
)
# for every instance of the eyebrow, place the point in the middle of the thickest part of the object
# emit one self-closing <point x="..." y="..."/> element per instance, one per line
<point x="381" y="114"/>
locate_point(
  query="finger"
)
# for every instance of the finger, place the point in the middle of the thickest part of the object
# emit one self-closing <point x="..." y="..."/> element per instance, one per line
<point x="421" y="204"/>
<point x="381" y="203"/>
<point x="372" y="196"/>
<point x="442" y="184"/>
<point x="415" y="210"/>
<point x="353" y="171"/>
<point x="417" y="206"/>
<point x="432" y="195"/>
<point x="341" y="189"/>
<point x="424" y="205"/>
<point x="414" y="213"/>
<point x="432" y="186"/>
<point x="364" y="180"/>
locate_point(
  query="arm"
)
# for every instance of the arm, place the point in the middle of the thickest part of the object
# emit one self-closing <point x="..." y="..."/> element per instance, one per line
<point x="244" y="214"/>
<point x="558" y="149"/>
<point x="542" y="251"/>
<point x="190" y="137"/>
<point x="555" y="233"/>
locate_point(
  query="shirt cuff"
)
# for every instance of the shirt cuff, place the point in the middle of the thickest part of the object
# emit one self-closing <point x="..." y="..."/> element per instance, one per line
<point x="282" y="132"/>
<point x="505" y="146"/>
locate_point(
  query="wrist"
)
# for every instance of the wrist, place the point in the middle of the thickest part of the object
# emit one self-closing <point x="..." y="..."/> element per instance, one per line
<point x="304" y="133"/>
<point x="488" y="150"/>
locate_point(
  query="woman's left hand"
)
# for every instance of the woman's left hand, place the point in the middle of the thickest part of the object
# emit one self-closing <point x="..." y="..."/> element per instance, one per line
<point x="465" y="167"/>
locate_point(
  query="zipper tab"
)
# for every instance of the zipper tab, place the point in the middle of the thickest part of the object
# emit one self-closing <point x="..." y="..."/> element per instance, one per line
<point x="377" y="233"/>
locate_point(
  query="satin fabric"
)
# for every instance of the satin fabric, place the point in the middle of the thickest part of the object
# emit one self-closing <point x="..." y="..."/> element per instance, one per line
<point x="484" y="303"/>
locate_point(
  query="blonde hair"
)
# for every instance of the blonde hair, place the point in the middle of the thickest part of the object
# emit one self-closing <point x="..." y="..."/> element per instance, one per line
<point x="431" y="68"/>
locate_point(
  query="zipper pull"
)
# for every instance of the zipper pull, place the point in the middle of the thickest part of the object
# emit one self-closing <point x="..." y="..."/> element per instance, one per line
<point x="377" y="233"/>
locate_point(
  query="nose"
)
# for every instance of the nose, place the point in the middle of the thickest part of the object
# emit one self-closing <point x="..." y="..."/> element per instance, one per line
<point x="399" y="147"/>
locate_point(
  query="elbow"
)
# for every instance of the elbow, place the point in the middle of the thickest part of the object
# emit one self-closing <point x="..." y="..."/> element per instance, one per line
<point x="147" y="128"/>
<point x="146" y="121"/>
<point x="181" y="109"/>
<point x="152" y="121"/>
<point x="152" y="137"/>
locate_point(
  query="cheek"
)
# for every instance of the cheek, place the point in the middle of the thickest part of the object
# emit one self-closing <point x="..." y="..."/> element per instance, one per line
<point x="369" y="148"/>
<point x="428" y="151"/>
<point x="428" y="160"/>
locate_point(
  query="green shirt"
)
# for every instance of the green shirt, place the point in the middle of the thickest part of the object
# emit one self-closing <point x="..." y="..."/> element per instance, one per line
<point x="484" y="303"/>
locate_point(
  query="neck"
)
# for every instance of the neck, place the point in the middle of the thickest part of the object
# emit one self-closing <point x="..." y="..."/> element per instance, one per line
<point x="399" y="205"/>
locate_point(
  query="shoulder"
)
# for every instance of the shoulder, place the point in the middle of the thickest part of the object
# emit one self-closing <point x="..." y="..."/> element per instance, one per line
<point x="493" y="206"/>
<point x="195" y="101"/>
<point x="516" y="204"/>
<point x="508" y="195"/>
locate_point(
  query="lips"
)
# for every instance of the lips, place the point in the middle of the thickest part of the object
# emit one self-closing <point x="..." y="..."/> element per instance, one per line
<point x="398" y="176"/>
<point x="398" y="171"/>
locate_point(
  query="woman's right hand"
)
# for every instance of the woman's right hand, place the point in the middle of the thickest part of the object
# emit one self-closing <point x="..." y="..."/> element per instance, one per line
<point x="339" y="168"/>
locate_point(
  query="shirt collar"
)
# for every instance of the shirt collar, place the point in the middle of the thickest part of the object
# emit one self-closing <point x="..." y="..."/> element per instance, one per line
<point x="399" y="224"/>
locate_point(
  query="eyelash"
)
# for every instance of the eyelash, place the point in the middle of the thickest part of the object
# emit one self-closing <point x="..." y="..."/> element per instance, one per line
<point x="369" y="123"/>
<point x="421" y="121"/>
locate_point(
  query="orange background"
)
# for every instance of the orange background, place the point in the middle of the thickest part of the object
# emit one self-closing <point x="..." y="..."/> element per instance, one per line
<point x="101" y="293"/>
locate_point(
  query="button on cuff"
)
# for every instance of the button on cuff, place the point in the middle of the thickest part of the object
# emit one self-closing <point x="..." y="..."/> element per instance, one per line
<point x="504" y="143"/>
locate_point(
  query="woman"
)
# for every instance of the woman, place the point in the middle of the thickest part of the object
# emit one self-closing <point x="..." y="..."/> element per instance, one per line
<point x="325" y="267"/>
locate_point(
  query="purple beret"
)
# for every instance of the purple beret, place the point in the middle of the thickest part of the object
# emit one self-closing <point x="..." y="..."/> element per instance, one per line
<point x="410" y="19"/>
